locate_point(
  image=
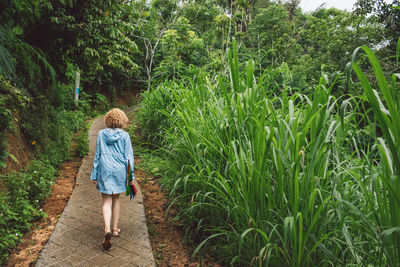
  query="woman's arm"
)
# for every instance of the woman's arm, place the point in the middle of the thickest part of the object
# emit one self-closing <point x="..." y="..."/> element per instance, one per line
<point x="128" y="152"/>
<point x="96" y="160"/>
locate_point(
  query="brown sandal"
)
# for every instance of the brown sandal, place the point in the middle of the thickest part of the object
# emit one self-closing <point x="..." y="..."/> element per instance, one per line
<point x="107" y="241"/>
<point x="115" y="232"/>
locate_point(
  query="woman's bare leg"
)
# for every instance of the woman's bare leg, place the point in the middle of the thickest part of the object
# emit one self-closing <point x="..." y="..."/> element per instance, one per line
<point x="107" y="206"/>
<point x="115" y="211"/>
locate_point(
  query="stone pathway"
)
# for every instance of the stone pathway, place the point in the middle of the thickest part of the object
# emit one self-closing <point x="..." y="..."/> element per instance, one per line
<point x="78" y="236"/>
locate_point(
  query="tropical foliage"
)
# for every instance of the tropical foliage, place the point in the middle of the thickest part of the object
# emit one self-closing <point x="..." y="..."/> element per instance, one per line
<point x="281" y="133"/>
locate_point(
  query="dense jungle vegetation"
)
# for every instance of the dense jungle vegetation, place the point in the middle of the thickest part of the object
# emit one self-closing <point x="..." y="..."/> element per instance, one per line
<point x="276" y="131"/>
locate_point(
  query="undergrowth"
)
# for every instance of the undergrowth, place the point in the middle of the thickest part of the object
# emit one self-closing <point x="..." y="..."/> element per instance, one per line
<point x="24" y="192"/>
<point x="153" y="160"/>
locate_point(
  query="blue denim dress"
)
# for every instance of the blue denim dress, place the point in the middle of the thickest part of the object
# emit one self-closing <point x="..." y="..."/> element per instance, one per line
<point x="113" y="151"/>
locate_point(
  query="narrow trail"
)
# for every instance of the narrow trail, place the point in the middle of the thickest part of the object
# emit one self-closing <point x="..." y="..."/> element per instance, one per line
<point x="77" y="238"/>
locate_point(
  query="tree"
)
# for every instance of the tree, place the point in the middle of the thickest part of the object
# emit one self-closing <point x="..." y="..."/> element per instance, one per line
<point x="153" y="22"/>
<point x="270" y="36"/>
<point x="98" y="34"/>
<point x="181" y="47"/>
<point x="386" y="13"/>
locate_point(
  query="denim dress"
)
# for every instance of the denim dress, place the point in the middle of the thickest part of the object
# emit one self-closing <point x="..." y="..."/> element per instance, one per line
<point x="113" y="151"/>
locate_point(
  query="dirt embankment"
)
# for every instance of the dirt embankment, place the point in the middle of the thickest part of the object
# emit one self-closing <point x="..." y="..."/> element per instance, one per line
<point x="20" y="150"/>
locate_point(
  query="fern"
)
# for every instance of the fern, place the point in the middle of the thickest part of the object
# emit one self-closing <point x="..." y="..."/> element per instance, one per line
<point x="7" y="62"/>
<point x="30" y="61"/>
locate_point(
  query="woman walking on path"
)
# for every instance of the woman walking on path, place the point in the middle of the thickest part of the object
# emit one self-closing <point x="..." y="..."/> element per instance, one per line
<point x="113" y="152"/>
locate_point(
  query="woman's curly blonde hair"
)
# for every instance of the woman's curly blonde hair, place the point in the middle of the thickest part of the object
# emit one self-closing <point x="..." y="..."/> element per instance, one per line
<point x="116" y="118"/>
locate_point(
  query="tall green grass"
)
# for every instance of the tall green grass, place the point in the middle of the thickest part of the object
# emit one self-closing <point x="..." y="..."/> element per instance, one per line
<point x="384" y="196"/>
<point x="268" y="176"/>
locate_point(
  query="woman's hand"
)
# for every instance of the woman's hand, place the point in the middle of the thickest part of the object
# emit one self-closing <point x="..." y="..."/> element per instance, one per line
<point x="132" y="182"/>
<point x="93" y="181"/>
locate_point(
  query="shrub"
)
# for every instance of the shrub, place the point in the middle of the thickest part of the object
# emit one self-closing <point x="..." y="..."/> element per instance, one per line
<point x="20" y="203"/>
<point x="82" y="147"/>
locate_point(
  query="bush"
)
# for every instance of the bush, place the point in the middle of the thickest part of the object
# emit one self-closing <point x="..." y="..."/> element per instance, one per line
<point x="82" y="142"/>
<point x="15" y="214"/>
<point x="20" y="203"/>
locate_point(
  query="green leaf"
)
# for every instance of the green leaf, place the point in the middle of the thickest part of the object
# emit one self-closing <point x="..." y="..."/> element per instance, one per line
<point x="14" y="158"/>
<point x="3" y="154"/>
<point x="18" y="30"/>
<point x="389" y="233"/>
<point x="397" y="52"/>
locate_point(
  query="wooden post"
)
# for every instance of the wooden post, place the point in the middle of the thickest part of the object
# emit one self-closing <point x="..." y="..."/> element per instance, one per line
<point x="77" y="80"/>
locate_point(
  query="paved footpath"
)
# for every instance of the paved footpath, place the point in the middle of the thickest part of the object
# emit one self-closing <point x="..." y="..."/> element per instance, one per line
<point x="78" y="236"/>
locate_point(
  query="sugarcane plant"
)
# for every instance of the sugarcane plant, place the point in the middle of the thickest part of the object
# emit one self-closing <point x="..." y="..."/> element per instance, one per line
<point x="384" y="198"/>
